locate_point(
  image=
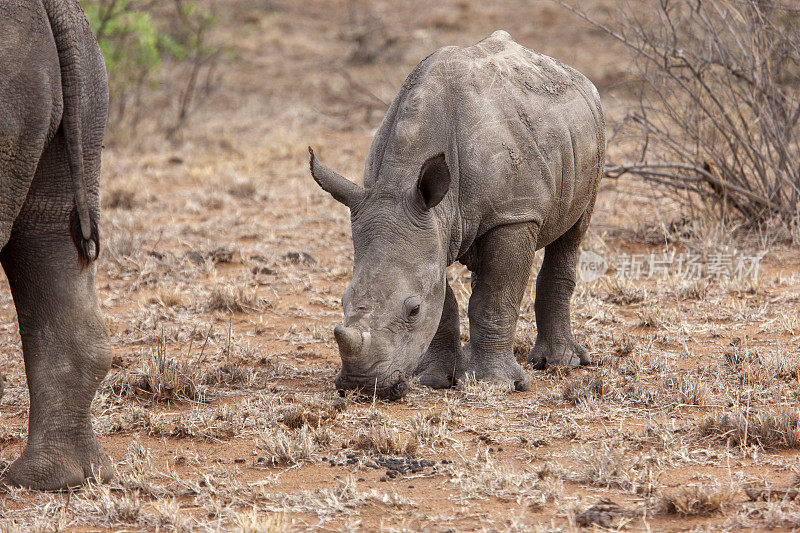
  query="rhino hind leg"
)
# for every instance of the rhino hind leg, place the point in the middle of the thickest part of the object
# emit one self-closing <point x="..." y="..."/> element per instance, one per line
<point x="64" y="339"/>
<point x="444" y="355"/>
<point x="555" y="344"/>
<point x="500" y="274"/>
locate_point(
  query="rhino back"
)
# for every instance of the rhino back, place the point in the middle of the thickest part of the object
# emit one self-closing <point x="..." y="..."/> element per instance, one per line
<point x="524" y="137"/>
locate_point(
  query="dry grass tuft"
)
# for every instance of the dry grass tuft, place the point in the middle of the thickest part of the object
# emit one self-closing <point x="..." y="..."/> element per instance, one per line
<point x="612" y="464"/>
<point x="161" y="379"/>
<point x="696" y="500"/>
<point x="688" y="391"/>
<point x="168" y="298"/>
<point x="622" y="292"/>
<point x="625" y="346"/>
<point x="310" y="414"/>
<point x="483" y="477"/>
<point x="252" y="522"/>
<point x="282" y="447"/>
<point x="382" y="439"/>
<point x="585" y="388"/>
<point x="771" y="428"/>
<point x="430" y="428"/>
<point x="228" y="374"/>
<point x="235" y="299"/>
<point x="656" y="317"/>
<point x="120" y="196"/>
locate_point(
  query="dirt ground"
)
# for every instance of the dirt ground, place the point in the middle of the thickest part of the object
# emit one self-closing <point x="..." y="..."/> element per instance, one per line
<point x="221" y="276"/>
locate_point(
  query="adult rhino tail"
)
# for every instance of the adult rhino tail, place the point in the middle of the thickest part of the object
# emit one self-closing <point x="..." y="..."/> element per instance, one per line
<point x="65" y="23"/>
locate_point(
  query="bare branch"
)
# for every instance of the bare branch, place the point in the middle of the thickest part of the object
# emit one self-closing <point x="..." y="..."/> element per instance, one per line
<point x="718" y="114"/>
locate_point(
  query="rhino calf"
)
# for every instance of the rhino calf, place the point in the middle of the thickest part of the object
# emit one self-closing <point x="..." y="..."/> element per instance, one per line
<point x="486" y="154"/>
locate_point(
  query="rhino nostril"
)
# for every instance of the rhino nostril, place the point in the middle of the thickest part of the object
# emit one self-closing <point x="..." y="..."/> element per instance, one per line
<point x="398" y="390"/>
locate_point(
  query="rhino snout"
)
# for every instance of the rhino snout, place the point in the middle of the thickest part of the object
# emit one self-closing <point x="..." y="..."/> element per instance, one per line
<point x="365" y="371"/>
<point x="393" y="391"/>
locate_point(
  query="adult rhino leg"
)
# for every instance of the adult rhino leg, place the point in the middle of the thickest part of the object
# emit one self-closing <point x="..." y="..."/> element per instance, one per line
<point x="555" y="283"/>
<point x="64" y="339"/>
<point x="444" y="355"/>
<point x="502" y="265"/>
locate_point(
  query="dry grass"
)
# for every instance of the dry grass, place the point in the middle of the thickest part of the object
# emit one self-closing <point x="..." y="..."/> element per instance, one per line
<point x="772" y="428"/>
<point x="235" y="299"/>
<point x="312" y="414"/>
<point x="161" y="379"/>
<point x="697" y="500"/>
<point x="282" y="447"/>
<point x="588" y="387"/>
<point x="380" y="438"/>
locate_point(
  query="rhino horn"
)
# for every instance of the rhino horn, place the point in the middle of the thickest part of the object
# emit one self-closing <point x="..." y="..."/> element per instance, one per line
<point x="350" y="341"/>
<point x="342" y="189"/>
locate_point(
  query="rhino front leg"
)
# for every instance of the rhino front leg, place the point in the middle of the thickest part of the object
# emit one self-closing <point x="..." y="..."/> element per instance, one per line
<point x="444" y="355"/>
<point x="501" y="268"/>
<point x="555" y="283"/>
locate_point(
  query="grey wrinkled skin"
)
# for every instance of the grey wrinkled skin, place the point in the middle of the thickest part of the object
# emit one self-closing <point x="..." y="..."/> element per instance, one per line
<point x="53" y="108"/>
<point x="486" y="154"/>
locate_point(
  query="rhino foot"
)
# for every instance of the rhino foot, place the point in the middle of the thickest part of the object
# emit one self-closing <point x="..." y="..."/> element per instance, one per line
<point x="505" y="373"/>
<point x="45" y="468"/>
<point x="558" y="353"/>
<point x="437" y="370"/>
<point x="436" y="379"/>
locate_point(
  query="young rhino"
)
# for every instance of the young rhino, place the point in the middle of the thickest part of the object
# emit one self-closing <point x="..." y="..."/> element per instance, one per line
<point x="486" y="154"/>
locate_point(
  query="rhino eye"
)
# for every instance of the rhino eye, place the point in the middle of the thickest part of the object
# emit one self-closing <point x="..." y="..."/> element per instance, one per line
<point x="411" y="306"/>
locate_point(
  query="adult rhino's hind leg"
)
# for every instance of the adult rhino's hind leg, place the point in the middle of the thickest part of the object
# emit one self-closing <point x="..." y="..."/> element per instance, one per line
<point x="555" y="283"/>
<point x="502" y="266"/>
<point x="64" y="339"/>
<point x="444" y="355"/>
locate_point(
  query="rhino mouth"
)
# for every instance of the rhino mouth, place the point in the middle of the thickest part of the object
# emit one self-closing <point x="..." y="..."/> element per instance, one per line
<point x="366" y="387"/>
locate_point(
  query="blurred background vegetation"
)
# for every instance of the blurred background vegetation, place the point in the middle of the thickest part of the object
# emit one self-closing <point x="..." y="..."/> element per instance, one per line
<point x="155" y="50"/>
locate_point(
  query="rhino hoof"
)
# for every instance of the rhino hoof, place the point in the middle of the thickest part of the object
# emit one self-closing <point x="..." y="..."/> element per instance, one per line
<point x="522" y="385"/>
<point x="435" y="380"/>
<point x="568" y="354"/>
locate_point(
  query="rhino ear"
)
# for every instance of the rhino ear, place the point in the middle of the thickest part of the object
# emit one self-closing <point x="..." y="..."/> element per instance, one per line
<point x="342" y="189"/>
<point x="433" y="181"/>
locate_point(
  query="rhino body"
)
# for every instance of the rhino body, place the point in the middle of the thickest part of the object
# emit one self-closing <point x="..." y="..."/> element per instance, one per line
<point x="486" y="154"/>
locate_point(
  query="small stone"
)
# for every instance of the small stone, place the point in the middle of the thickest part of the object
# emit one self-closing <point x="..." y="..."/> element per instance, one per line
<point x="383" y="479"/>
<point x="300" y="257"/>
<point x="195" y="257"/>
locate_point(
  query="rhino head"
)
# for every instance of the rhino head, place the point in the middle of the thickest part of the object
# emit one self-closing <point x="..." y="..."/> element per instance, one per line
<point x="393" y="305"/>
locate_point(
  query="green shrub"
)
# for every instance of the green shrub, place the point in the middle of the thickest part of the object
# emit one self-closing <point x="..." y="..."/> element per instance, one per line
<point x="141" y="40"/>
